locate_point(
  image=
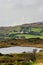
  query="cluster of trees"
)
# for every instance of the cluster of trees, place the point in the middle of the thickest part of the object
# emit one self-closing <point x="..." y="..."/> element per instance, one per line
<point x="29" y="30"/>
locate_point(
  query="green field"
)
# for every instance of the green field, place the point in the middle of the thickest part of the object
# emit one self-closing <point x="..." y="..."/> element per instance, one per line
<point x="19" y="32"/>
<point x="29" y="36"/>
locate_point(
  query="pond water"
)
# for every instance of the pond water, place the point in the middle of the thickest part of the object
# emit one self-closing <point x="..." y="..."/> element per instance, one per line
<point x="18" y="49"/>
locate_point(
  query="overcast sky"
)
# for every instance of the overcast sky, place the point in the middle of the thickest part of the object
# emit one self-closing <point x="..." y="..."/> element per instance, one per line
<point x="15" y="12"/>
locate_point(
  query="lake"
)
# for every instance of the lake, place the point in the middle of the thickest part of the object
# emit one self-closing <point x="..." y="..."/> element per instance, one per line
<point x="18" y="49"/>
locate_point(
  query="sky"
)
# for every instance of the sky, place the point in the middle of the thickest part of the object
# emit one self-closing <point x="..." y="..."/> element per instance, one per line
<point x="17" y="12"/>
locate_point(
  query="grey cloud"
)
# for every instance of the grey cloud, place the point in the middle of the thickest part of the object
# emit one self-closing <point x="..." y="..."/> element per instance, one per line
<point x="15" y="12"/>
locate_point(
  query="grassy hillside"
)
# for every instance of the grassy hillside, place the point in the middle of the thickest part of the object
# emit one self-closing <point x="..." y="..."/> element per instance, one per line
<point x="21" y="59"/>
<point x="25" y="31"/>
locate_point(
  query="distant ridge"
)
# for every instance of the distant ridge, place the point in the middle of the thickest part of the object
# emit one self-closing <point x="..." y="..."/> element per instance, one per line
<point x="41" y="22"/>
<point x="36" y="24"/>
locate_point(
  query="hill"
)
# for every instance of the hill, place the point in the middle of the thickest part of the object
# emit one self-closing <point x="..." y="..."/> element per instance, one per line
<point x="24" y="31"/>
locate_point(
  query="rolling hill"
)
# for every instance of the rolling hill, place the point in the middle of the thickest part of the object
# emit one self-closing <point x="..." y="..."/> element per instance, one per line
<point x="24" y="31"/>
